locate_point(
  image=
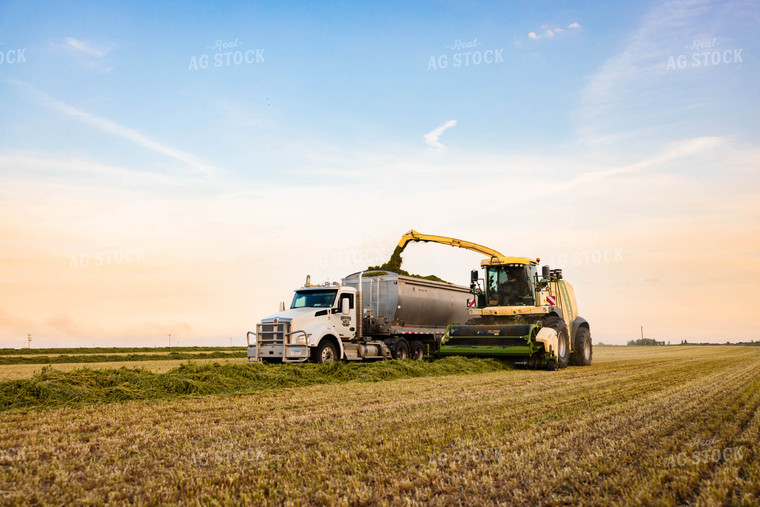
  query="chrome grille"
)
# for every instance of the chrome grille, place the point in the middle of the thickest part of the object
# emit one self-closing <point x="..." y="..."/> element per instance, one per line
<point x="270" y="333"/>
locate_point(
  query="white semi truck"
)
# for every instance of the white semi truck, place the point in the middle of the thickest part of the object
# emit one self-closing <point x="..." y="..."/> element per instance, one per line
<point x="370" y="315"/>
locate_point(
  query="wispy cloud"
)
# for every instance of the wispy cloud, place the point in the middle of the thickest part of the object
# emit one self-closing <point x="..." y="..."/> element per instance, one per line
<point x="548" y="31"/>
<point x="136" y="137"/>
<point x="88" y="54"/>
<point x="667" y="155"/>
<point x="89" y="48"/>
<point x="67" y="167"/>
<point x="112" y="127"/>
<point x="431" y="138"/>
<point x="627" y="88"/>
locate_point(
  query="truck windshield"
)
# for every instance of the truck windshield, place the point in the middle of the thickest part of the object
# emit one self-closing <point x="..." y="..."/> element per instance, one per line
<point x="314" y="298"/>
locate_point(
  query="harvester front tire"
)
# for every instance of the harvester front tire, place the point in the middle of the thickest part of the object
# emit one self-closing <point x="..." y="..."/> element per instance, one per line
<point x="583" y="348"/>
<point x="401" y="350"/>
<point x="417" y="350"/>
<point x="563" y="339"/>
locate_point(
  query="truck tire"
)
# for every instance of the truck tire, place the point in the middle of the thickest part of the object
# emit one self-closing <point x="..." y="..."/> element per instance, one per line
<point x="417" y="350"/>
<point x="583" y="348"/>
<point x="563" y="339"/>
<point x="327" y="352"/>
<point x="401" y="349"/>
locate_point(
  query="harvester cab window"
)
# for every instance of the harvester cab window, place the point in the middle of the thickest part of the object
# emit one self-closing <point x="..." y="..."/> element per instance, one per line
<point x="492" y="287"/>
<point x="314" y="299"/>
<point x="509" y="286"/>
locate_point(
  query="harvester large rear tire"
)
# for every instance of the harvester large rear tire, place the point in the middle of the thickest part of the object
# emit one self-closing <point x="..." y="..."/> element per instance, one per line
<point x="563" y="339"/>
<point x="583" y="349"/>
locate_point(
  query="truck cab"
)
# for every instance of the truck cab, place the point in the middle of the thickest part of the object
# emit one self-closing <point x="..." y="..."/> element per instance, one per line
<point x="319" y="319"/>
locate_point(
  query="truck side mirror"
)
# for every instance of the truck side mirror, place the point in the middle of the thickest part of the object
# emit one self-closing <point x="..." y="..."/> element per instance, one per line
<point x="345" y="306"/>
<point x="474" y="275"/>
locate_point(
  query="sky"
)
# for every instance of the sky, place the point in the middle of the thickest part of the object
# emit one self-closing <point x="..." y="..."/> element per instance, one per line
<point x="178" y="170"/>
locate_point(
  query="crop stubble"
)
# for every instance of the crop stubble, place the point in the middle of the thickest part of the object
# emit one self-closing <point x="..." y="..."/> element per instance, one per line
<point x="600" y="434"/>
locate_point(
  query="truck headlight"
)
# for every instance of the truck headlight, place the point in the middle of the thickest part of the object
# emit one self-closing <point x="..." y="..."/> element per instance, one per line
<point x="300" y="338"/>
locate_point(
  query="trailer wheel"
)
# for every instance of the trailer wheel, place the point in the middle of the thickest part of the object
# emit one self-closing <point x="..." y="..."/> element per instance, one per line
<point x="583" y="348"/>
<point x="563" y="340"/>
<point x="327" y="352"/>
<point x="401" y="350"/>
<point x="418" y="350"/>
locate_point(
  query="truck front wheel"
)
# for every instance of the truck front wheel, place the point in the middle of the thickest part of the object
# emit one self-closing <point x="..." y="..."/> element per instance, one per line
<point x="327" y="352"/>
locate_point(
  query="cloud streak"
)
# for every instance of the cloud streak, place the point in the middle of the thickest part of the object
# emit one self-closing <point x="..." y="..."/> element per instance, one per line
<point x="670" y="153"/>
<point x="87" y="47"/>
<point x="625" y="92"/>
<point x="124" y="132"/>
<point x="431" y="138"/>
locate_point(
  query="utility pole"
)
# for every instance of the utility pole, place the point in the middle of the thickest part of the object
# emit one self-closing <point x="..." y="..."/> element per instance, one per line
<point x="170" y="339"/>
<point x="29" y="341"/>
<point x="642" y="332"/>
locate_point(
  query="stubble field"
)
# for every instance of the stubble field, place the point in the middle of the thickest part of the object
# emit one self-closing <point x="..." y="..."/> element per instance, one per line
<point x="646" y="425"/>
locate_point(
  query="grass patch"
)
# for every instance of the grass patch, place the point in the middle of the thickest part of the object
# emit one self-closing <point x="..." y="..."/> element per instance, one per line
<point x="607" y="434"/>
<point x="103" y="358"/>
<point x="53" y="388"/>
<point x="111" y="350"/>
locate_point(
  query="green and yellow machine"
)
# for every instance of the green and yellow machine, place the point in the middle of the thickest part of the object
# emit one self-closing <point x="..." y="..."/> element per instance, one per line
<point x="516" y="312"/>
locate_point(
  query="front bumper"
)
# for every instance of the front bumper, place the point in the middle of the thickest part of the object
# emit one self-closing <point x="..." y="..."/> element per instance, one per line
<point x="275" y="341"/>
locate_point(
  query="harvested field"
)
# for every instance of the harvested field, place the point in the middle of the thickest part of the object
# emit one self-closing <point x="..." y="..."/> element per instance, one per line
<point x="646" y="425"/>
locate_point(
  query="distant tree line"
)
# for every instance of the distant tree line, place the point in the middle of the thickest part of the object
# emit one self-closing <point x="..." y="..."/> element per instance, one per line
<point x="645" y="341"/>
<point x="651" y="341"/>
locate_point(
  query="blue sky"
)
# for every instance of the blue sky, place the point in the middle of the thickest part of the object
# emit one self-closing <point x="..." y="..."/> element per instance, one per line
<point x="598" y="128"/>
